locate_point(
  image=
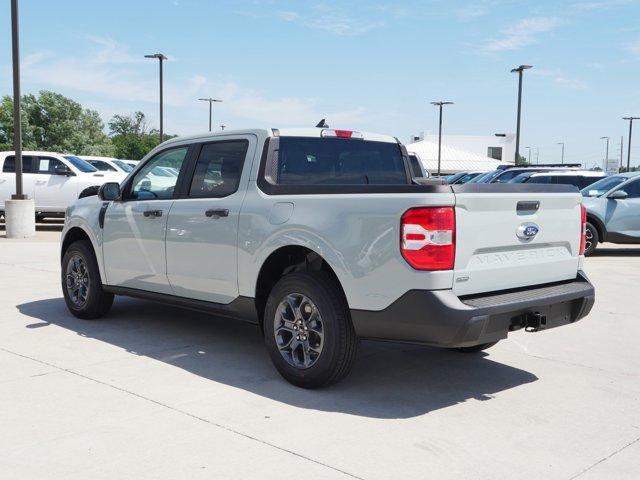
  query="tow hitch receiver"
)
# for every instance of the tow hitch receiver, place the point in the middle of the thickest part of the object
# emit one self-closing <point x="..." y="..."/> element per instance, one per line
<point x="534" y="321"/>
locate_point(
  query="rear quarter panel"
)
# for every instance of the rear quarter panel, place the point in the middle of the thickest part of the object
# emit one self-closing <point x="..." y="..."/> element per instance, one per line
<point x="358" y="235"/>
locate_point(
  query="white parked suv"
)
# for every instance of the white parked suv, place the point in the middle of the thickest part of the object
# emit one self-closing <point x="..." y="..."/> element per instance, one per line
<point x="108" y="164"/>
<point x="53" y="180"/>
<point x="321" y="237"/>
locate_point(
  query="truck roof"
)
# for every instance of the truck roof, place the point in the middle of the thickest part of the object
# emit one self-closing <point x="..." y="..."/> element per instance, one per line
<point x="282" y="132"/>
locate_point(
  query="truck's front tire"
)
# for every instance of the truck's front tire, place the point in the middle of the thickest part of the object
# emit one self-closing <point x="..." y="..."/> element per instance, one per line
<point x="308" y="330"/>
<point x="81" y="284"/>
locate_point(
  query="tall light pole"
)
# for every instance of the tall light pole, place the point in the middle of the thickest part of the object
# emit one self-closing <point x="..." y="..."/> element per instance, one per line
<point x="529" y="160"/>
<point x="606" y="155"/>
<point x="161" y="58"/>
<point x="439" y="105"/>
<point x="537" y="154"/>
<point x="562" y="143"/>
<point x="621" y="150"/>
<point x="631" y="119"/>
<point x="519" y="70"/>
<point x="19" y="211"/>
<point x="17" y="122"/>
<point x="210" y="100"/>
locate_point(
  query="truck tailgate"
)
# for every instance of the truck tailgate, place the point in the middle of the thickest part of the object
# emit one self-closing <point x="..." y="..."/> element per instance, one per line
<point x="511" y="236"/>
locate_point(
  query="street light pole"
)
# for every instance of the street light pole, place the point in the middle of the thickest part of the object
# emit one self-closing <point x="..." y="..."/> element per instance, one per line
<point x="210" y="100"/>
<point x="439" y="105"/>
<point x="519" y="70"/>
<point x="17" y="121"/>
<point x="606" y="155"/>
<point x="161" y="58"/>
<point x="529" y="160"/>
<point x="631" y="119"/>
<point x="562" y="143"/>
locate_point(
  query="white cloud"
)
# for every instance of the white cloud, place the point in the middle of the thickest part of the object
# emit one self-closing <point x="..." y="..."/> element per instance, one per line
<point x="633" y="47"/>
<point x="329" y="20"/>
<point x="110" y="84"/>
<point x="561" y="79"/>
<point x="470" y="12"/>
<point x="601" y="5"/>
<point x="522" y="34"/>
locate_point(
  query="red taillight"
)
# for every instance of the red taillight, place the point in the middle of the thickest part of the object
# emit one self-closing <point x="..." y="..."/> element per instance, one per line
<point x="583" y="228"/>
<point x="428" y="238"/>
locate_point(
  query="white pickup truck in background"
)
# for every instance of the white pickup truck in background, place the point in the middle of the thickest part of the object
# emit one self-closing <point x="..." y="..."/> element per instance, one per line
<point x="53" y="180"/>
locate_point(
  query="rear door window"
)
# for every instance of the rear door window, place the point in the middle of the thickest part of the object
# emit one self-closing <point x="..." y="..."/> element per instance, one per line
<point x="336" y="161"/>
<point x="218" y="169"/>
<point x="28" y="164"/>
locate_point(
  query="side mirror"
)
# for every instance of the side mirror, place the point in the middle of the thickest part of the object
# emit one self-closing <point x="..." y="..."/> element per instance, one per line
<point x="109" y="191"/>
<point x="61" y="169"/>
<point x="619" y="195"/>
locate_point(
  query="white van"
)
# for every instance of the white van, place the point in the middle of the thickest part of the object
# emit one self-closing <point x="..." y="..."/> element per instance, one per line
<point x="53" y="180"/>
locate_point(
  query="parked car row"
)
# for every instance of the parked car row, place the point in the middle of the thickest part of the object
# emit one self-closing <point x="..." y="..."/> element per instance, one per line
<point x="56" y="180"/>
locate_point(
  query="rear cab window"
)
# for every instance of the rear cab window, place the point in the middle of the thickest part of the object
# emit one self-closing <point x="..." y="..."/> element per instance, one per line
<point x="28" y="164"/>
<point x="315" y="161"/>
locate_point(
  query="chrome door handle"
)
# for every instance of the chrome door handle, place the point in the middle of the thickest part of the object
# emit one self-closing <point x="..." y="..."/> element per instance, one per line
<point x="152" y="213"/>
<point x="217" y="212"/>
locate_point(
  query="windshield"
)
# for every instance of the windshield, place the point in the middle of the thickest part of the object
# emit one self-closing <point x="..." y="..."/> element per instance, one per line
<point x="602" y="186"/>
<point x="467" y="178"/>
<point x="522" y="178"/>
<point x="453" y="178"/>
<point x="337" y="161"/>
<point x="80" y="164"/>
<point x="124" y="166"/>
<point x="486" y="177"/>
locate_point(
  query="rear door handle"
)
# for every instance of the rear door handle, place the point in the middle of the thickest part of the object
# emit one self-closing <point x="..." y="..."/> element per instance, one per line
<point x="152" y="213"/>
<point x="217" y="212"/>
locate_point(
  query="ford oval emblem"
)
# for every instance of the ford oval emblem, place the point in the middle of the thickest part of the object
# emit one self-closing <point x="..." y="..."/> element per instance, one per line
<point x="527" y="231"/>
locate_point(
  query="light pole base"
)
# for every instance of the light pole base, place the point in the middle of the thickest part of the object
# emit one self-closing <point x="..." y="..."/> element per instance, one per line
<point x="20" y="218"/>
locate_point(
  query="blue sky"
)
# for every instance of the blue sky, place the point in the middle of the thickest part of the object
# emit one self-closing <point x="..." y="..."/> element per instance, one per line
<point x="370" y="65"/>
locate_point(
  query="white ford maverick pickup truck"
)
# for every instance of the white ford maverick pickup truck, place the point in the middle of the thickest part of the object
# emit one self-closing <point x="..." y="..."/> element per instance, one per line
<point x="321" y="237"/>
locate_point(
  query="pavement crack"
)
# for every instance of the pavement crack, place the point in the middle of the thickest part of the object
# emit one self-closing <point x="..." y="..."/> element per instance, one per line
<point x="604" y="459"/>
<point x="184" y="412"/>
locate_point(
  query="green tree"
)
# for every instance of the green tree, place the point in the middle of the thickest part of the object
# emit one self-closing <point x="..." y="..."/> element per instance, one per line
<point x="53" y="122"/>
<point x="131" y="136"/>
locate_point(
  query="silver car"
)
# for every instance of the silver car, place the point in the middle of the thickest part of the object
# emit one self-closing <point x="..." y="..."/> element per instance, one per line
<point x="613" y="210"/>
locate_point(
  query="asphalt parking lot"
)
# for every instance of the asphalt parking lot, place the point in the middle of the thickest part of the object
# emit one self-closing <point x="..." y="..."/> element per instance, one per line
<point x="156" y="392"/>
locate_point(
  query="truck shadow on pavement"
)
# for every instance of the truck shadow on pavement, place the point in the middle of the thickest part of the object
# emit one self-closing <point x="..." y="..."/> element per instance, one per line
<point x="387" y="381"/>
<point x="616" y="252"/>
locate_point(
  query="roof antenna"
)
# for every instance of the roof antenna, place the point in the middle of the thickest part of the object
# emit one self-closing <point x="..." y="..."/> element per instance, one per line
<point x="322" y="124"/>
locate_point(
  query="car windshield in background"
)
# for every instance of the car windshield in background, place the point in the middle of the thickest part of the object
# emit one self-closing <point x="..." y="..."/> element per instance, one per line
<point x="486" y="177"/>
<point x="124" y="166"/>
<point x="506" y="176"/>
<point x="467" y="178"/>
<point x="80" y="164"/>
<point x="602" y="186"/>
<point x="453" y="178"/>
<point x="337" y="161"/>
<point x="521" y="178"/>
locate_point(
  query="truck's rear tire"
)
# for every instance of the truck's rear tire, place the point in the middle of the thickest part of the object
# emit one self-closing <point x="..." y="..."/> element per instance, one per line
<point x="81" y="284"/>
<point x="474" y="348"/>
<point x="308" y="330"/>
<point x="591" y="239"/>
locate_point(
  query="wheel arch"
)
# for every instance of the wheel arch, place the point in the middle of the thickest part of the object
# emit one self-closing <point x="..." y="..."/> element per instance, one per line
<point x="284" y="260"/>
<point x="75" y="234"/>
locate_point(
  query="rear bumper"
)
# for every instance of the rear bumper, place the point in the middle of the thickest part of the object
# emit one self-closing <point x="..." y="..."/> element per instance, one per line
<point x="440" y="318"/>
